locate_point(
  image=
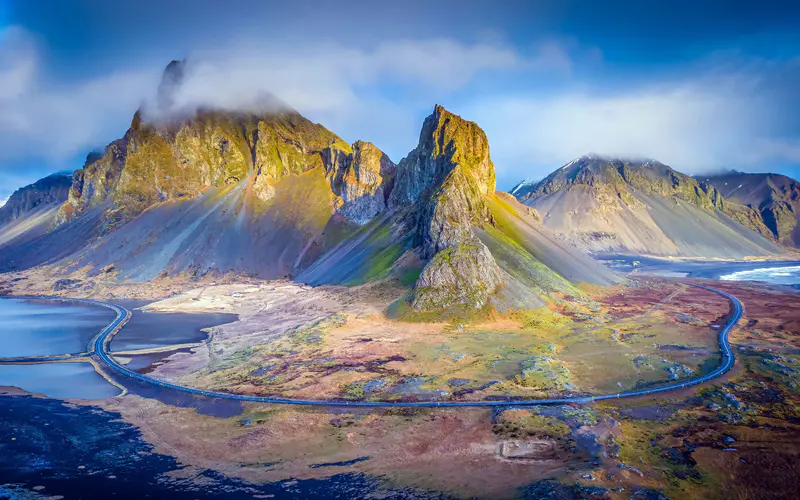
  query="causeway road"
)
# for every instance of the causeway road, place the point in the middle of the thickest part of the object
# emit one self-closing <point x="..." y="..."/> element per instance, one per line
<point x="100" y="343"/>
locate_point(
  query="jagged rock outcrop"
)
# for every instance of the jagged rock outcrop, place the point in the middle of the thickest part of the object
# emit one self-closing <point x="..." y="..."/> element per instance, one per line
<point x="448" y="176"/>
<point x="776" y="198"/>
<point x="92" y="184"/>
<point x="464" y="274"/>
<point x="644" y="207"/>
<point x="748" y="217"/>
<point x="446" y="141"/>
<point x="171" y="82"/>
<point x="362" y="181"/>
<point x="48" y="191"/>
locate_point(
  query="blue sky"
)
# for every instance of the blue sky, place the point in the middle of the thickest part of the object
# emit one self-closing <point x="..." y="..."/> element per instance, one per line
<point x="698" y="85"/>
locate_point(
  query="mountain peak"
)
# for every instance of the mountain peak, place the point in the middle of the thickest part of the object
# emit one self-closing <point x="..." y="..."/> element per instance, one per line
<point x="171" y="81"/>
<point x="449" y="173"/>
<point x="596" y="170"/>
<point x="634" y="161"/>
<point x="447" y="142"/>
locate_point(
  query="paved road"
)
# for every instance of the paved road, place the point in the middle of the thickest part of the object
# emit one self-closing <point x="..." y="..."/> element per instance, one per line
<point x="102" y="340"/>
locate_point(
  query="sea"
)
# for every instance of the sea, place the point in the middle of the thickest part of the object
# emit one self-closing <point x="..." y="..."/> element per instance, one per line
<point x="775" y="272"/>
<point x="781" y="275"/>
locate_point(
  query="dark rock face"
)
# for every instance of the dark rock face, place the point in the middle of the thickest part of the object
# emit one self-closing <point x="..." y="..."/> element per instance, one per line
<point x="66" y="284"/>
<point x="451" y="211"/>
<point x="363" y="181"/>
<point x="775" y="198"/>
<point x="170" y="83"/>
<point x="92" y="184"/>
<point x="48" y="191"/>
<point x="448" y="175"/>
<point x="464" y="275"/>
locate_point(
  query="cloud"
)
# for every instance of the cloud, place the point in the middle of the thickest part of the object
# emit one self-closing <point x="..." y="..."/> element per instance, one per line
<point x="343" y="87"/>
<point x="698" y="122"/>
<point x="330" y="77"/>
<point x="720" y="112"/>
<point x="3" y="201"/>
<point x="52" y="122"/>
<point x="375" y="94"/>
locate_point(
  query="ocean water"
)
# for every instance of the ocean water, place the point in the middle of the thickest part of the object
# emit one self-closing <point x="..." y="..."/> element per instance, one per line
<point x="784" y="275"/>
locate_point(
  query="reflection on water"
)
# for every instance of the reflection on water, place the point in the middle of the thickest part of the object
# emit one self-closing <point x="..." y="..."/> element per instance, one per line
<point x="146" y="330"/>
<point x="31" y="327"/>
<point x="43" y="327"/>
<point x="58" y="380"/>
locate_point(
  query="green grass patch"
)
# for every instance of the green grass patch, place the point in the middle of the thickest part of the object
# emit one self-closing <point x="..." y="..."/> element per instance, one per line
<point x="542" y="318"/>
<point x="531" y="425"/>
<point x="379" y="264"/>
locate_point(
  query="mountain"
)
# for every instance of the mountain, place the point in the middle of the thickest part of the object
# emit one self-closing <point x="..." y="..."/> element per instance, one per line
<point x="645" y="207"/>
<point x="775" y="197"/>
<point x="44" y="193"/>
<point x="31" y="210"/>
<point x="469" y="245"/>
<point x="268" y="193"/>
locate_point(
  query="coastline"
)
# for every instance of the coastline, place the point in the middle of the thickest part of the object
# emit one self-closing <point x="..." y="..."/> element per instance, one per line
<point x="687" y="268"/>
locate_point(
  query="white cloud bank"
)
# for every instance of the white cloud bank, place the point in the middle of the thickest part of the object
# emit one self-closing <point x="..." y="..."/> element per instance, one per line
<point x="50" y="122"/>
<point x="337" y="85"/>
<point x="707" y="119"/>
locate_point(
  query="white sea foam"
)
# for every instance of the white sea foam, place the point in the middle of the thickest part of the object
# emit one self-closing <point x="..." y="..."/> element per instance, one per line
<point x="789" y="275"/>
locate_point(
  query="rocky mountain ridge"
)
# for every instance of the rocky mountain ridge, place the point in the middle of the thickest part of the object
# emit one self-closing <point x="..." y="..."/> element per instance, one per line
<point x="775" y="197"/>
<point x="450" y="173"/>
<point x="441" y="184"/>
<point x="619" y="205"/>
<point x="47" y="191"/>
<point x="179" y="155"/>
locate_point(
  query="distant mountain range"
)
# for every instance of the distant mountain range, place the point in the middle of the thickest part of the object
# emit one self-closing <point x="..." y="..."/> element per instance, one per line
<point x="646" y="207"/>
<point x="30" y="211"/>
<point x="272" y="194"/>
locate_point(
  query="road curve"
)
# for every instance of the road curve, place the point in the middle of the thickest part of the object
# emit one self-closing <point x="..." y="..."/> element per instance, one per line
<point x="102" y="340"/>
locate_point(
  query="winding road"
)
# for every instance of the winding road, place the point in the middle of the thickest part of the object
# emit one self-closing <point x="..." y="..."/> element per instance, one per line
<point x="99" y="348"/>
